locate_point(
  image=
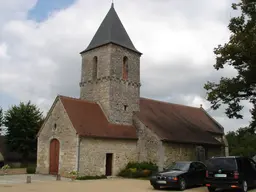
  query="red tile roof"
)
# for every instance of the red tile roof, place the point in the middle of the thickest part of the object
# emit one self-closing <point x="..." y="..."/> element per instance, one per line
<point x="89" y="120"/>
<point x="171" y="122"/>
<point x="178" y="123"/>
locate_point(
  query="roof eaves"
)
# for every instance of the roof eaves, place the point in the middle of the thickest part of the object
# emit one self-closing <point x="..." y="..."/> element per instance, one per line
<point x="190" y="142"/>
<point x="68" y="116"/>
<point x="108" y="137"/>
<point x="219" y="125"/>
<point x="48" y="114"/>
<point x="110" y="42"/>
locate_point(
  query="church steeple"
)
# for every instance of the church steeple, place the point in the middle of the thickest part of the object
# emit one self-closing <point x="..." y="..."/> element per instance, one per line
<point x="111" y="30"/>
<point x="111" y="71"/>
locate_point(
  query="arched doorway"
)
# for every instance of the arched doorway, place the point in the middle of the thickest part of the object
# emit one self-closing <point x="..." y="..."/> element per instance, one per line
<point x="54" y="156"/>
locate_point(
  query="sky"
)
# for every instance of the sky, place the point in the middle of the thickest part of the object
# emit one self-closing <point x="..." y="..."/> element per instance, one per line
<point x="40" y="41"/>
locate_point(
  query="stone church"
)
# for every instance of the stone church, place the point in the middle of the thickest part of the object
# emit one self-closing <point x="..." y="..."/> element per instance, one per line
<point x="111" y="125"/>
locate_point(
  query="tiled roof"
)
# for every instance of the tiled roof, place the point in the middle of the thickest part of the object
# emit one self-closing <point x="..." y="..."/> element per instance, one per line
<point x="89" y="120"/>
<point x="111" y="30"/>
<point x="178" y="123"/>
<point x="171" y="122"/>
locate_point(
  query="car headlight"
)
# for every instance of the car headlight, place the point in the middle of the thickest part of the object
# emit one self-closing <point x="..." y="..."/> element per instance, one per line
<point x="173" y="178"/>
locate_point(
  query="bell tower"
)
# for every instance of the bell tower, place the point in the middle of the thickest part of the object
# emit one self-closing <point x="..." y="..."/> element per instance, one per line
<point x="111" y="71"/>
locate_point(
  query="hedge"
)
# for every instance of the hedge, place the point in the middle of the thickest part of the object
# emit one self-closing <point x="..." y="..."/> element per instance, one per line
<point x="138" y="170"/>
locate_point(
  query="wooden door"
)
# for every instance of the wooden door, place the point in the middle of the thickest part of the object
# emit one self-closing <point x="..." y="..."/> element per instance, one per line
<point x="109" y="160"/>
<point x="200" y="154"/>
<point x="54" y="156"/>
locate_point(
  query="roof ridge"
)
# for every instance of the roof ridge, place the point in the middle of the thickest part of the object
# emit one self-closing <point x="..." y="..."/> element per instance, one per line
<point x="165" y="102"/>
<point x="214" y="120"/>
<point x="78" y="99"/>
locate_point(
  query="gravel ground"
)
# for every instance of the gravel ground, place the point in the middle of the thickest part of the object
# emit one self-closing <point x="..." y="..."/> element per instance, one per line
<point x="49" y="184"/>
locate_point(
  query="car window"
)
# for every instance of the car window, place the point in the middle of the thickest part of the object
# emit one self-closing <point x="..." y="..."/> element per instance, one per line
<point x="200" y="166"/>
<point x="253" y="164"/>
<point x="240" y="164"/>
<point x="193" y="166"/>
<point x="228" y="164"/>
<point x="182" y="166"/>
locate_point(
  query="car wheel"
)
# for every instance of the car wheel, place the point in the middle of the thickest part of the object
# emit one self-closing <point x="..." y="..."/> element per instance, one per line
<point x="156" y="186"/>
<point x="244" y="186"/>
<point x="211" y="189"/>
<point x="183" y="184"/>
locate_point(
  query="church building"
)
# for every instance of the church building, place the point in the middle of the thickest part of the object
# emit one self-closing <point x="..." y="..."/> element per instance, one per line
<point x="110" y="125"/>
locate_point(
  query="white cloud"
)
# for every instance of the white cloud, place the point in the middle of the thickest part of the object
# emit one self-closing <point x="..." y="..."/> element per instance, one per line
<point x="40" y="60"/>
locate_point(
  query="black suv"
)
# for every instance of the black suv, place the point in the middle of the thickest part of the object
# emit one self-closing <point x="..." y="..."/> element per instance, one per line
<point x="230" y="172"/>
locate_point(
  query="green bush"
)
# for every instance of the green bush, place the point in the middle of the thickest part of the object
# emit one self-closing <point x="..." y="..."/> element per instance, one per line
<point x="138" y="170"/>
<point x="142" y="166"/>
<point x="126" y="173"/>
<point x="31" y="170"/>
<point x="91" y="177"/>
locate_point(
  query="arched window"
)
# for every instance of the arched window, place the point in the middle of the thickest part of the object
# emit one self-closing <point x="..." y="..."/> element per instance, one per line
<point x="95" y="68"/>
<point x="125" y="68"/>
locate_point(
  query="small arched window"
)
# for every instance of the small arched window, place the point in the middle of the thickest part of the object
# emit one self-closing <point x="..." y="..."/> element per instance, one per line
<point x="95" y="68"/>
<point x="125" y="68"/>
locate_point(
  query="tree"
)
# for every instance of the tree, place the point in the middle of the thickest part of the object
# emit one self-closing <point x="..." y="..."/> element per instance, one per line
<point x="242" y="142"/>
<point x="23" y="122"/>
<point x="239" y="52"/>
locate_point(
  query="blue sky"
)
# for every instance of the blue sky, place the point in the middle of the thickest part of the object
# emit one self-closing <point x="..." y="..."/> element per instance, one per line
<point x="44" y="7"/>
<point x="38" y="13"/>
<point x="189" y="31"/>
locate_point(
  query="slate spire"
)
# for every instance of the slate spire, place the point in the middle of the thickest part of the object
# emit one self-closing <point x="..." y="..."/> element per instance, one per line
<point x="111" y="30"/>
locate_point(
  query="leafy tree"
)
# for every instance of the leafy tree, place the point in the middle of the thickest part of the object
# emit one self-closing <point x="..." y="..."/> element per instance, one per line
<point x="23" y="122"/>
<point x="242" y="142"/>
<point x="239" y="52"/>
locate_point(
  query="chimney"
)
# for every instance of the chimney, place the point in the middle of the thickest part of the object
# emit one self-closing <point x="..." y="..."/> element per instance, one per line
<point x="201" y="105"/>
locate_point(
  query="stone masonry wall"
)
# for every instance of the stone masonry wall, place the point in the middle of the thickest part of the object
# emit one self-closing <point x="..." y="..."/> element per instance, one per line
<point x="186" y="152"/>
<point x="178" y="152"/>
<point x="93" y="155"/>
<point x="225" y="148"/>
<point x="150" y="147"/>
<point x="214" y="151"/>
<point x="66" y="135"/>
<point x="109" y="89"/>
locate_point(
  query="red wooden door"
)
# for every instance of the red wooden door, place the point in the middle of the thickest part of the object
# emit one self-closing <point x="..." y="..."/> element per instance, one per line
<point x="54" y="156"/>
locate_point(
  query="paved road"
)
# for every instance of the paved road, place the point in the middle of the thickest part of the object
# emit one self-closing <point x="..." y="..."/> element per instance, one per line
<point x="49" y="184"/>
<point x="18" y="179"/>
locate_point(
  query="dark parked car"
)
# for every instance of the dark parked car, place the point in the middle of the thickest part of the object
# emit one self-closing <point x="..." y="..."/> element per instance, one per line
<point x="230" y="172"/>
<point x="180" y="175"/>
<point x="254" y="158"/>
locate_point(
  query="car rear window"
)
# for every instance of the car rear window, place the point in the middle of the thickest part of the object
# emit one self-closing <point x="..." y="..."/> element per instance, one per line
<point x="228" y="164"/>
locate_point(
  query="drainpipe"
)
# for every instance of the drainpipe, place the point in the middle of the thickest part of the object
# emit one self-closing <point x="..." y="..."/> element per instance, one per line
<point x="78" y="153"/>
<point x="161" y="157"/>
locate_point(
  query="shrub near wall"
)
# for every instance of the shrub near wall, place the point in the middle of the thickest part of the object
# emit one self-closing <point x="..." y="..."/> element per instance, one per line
<point x="138" y="170"/>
